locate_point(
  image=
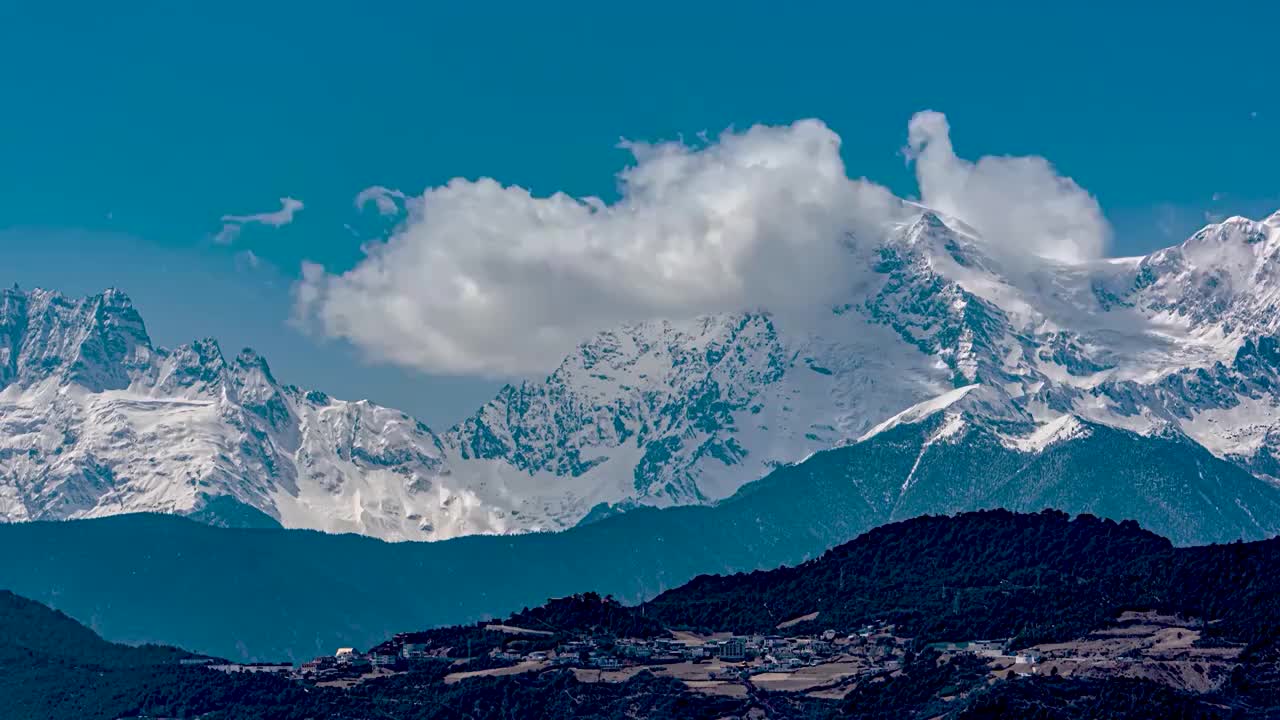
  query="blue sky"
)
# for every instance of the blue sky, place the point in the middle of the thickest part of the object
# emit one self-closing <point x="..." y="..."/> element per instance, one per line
<point x="129" y="129"/>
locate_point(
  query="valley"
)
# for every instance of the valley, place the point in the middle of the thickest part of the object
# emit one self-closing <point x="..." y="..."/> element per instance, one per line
<point x="917" y="619"/>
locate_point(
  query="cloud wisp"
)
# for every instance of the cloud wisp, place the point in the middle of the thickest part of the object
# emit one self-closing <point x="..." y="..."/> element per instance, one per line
<point x="233" y="224"/>
<point x="386" y="200"/>
<point x="485" y="278"/>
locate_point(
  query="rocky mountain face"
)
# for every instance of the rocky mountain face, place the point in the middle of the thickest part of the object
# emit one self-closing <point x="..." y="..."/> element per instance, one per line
<point x="1177" y="346"/>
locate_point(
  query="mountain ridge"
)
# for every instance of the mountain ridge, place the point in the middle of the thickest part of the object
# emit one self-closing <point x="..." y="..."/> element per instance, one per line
<point x="656" y="413"/>
<point x="270" y="593"/>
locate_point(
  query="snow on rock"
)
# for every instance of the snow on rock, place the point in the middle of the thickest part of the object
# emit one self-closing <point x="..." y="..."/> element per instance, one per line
<point x="920" y="411"/>
<point x="1061" y="429"/>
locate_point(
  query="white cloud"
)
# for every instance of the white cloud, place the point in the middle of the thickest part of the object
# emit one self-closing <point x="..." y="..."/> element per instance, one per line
<point x="486" y="278"/>
<point x="283" y="216"/>
<point x="228" y="234"/>
<point x="233" y="224"/>
<point x="384" y="199"/>
<point x="1020" y="205"/>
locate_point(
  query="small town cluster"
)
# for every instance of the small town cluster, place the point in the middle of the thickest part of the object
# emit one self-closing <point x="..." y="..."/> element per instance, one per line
<point x="750" y="653"/>
<point x="707" y="662"/>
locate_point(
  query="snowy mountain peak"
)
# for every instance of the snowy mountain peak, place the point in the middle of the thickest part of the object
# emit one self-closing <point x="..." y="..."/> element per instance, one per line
<point x="96" y="342"/>
<point x="1237" y="244"/>
<point x="1225" y="279"/>
<point x="197" y="367"/>
<point x="663" y="393"/>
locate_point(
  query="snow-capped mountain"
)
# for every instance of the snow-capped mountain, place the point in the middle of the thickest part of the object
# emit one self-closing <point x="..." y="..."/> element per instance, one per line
<point x="1181" y="343"/>
<point x="95" y="420"/>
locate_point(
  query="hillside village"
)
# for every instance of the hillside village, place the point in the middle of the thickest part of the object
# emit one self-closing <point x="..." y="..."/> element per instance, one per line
<point x="823" y="663"/>
<point x="718" y="663"/>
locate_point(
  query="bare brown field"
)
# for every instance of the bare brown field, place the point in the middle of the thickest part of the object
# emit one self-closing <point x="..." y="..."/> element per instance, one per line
<point x="524" y="667"/>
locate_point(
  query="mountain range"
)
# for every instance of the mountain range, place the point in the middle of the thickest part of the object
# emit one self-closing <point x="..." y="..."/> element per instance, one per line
<point x="1027" y="368"/>
<point x="270" y="593"/>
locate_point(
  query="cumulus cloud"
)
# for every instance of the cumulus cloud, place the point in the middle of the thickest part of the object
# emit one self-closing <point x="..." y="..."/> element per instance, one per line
<point x="386" y="200"/>
<point x="487" y="278"/>
<point x="1020" y="205"/>
<point x="233" y="224"/>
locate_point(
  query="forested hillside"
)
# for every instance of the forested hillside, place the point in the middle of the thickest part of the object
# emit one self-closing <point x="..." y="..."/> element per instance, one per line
<point x="997" y="574"/>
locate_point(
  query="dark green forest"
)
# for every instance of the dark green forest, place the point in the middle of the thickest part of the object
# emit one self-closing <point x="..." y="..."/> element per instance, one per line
<point x="993" y="574"/>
